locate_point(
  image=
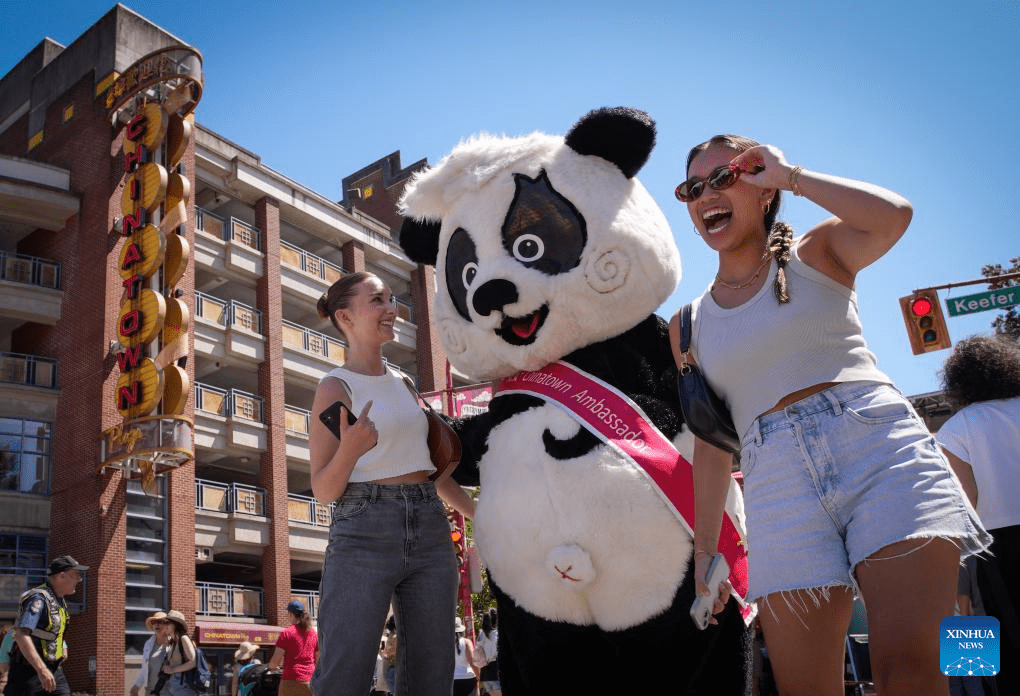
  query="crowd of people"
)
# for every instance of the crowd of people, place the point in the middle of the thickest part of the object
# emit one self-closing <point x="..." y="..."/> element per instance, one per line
<point x="831" y="453"/>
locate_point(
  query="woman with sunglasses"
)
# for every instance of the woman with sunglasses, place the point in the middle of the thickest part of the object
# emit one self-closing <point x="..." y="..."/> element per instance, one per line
<point x="844" y="486"/>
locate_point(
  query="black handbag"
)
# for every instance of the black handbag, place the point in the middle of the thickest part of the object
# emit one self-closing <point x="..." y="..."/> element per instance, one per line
<point x="704" y="412"/>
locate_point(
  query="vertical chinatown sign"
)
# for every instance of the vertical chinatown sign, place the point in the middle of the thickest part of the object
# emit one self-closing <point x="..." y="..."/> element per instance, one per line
<point x="153" y="101"/>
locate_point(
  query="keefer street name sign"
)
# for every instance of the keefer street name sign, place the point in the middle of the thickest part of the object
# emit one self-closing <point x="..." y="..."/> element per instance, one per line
<point x="993" y="299"/>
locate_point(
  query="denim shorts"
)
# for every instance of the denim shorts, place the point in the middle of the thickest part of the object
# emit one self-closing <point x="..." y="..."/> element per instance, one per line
<point x="839" y="475"/>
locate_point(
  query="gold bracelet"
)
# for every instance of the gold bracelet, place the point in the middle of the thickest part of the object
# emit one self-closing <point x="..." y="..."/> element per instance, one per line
<point x="794" y="180"/>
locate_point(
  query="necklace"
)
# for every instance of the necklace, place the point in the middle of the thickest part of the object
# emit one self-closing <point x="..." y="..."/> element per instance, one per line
<point x="738" y="286"/>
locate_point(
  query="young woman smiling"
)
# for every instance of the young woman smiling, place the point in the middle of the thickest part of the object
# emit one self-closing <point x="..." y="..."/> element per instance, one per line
<point x="389" y="538"/>
<point x="845" y="488"/>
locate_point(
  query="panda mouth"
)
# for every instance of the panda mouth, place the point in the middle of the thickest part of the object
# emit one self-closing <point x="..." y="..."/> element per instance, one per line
<point x="522" y="331"/>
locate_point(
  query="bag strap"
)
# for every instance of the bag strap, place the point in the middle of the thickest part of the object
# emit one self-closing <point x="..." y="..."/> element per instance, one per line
<point x="685" y="339"/>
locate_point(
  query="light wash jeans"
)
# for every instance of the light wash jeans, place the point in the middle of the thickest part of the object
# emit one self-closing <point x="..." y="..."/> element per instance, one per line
<point x="387" y="542"/>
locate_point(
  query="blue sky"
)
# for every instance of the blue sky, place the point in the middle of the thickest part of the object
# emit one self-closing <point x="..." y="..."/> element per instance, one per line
<point x="917" y="96"/>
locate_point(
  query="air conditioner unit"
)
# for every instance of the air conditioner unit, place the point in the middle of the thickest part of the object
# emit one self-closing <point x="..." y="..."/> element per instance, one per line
<point x="203" y="554"/>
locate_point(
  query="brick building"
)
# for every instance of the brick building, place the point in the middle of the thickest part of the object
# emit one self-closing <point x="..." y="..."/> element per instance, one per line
<point x="232" y="537"/>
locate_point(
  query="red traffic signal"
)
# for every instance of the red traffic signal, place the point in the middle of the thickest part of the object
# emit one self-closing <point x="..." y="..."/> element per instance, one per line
<point x="926" y="327"/>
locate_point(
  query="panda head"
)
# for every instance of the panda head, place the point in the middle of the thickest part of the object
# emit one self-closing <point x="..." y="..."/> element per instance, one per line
<point x="542" y="244"/>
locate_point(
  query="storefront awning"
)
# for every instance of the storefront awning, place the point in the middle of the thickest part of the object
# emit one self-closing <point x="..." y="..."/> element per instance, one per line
<point x="226" y="633"/>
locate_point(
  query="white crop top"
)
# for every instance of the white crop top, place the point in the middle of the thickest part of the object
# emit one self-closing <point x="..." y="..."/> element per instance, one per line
<point x="401" y="424"/>
<point x="755" y="354"/>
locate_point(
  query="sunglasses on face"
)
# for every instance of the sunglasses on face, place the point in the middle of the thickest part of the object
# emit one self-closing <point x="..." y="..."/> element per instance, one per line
<point x="718" y="179"/>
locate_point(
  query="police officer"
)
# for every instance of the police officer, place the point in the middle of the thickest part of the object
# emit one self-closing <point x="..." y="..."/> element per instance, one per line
<point x="41" y="623"/>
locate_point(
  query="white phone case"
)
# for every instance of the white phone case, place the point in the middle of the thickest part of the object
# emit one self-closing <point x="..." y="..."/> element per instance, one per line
<point x="701" y="609"/>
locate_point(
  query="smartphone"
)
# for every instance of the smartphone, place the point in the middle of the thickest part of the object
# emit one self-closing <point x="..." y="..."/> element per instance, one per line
<point x="330" y="417"/>
<point x="701" y="609"/>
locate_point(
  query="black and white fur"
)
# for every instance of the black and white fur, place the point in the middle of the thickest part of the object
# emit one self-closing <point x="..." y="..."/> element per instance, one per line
<point x="548" y="248"/>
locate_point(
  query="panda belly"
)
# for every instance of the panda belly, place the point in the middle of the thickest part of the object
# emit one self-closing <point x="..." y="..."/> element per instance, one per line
<point x="585" y="540"/>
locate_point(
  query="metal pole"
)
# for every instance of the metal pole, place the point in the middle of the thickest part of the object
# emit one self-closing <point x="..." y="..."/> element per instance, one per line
<point x="982" y="281"/>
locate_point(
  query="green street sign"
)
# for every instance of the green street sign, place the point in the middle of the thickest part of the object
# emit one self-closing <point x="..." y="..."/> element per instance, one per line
<point x="993" y="299"/>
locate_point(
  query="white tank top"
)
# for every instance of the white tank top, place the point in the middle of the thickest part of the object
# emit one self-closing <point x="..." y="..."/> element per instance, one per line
<point x="755" y="354"/>
<point x="401" y="424"/>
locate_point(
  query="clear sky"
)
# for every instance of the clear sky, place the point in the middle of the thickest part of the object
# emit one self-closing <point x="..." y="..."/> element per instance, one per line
<point x="918" y="96"/>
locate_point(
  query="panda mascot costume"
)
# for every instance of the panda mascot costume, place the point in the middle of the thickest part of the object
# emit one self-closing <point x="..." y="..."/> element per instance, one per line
<point x="551" y="259"/>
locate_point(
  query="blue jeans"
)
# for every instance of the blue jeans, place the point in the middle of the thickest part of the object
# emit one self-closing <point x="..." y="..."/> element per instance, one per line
<point x="387" y="542"/>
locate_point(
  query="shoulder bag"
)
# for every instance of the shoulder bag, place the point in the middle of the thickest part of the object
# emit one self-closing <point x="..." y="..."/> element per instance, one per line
<point x="444" y="445"/>
<point x="704" y="412"/>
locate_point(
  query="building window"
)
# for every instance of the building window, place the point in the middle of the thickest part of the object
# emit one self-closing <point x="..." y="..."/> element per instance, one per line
<point x="145" y="561"/>
<point x="25" y="454"/>
<point x="23" y="565"/>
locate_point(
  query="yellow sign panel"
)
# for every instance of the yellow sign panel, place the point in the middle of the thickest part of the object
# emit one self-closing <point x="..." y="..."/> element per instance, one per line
<point x="141" y="318"/>
<point x="177" y="254"/>
<point x="143" y="253"/>
<point x="177" y="137"/>
<point x="175" y="390"/>
<point x="139" y="391"/>
<point x="144" y="188"/>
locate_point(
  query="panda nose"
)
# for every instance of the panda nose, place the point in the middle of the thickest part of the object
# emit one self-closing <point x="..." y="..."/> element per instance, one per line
<point x="494" y="295"/>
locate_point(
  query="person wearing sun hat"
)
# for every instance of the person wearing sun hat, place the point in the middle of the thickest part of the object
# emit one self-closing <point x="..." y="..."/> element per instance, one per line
<point x="181" y="655"/>
<point x="244" y="659"/>
<point x="41" y="623"/>
<point x="152" y="655"/>
<point x="297" y="650"/>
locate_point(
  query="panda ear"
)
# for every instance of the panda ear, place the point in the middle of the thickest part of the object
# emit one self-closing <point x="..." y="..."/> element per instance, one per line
<point x="620" y="135"/>
<point x="420" y="240"/>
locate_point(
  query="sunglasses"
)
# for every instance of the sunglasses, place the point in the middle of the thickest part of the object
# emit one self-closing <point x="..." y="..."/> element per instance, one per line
<point x="718" y="179"/>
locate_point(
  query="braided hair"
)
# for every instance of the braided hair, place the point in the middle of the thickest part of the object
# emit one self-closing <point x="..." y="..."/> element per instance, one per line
<point x="780" y="234"/>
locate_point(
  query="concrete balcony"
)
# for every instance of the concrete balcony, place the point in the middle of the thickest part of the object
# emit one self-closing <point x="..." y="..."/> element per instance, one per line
<point x="228" y="332"/>
<point x="305" y="275"/>
<point x="231" y="518"/>
<point x="228" y="247"/>
<point x="308" y="355"/>
<point x="229" y="421"/>
<point x="29" y="288"/>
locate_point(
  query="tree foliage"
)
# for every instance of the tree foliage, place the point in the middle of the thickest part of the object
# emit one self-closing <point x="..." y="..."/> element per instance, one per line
<point x="1007" y="324"/>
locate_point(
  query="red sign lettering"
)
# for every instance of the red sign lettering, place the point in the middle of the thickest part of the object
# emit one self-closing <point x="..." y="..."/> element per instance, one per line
<point x="131" y="322"/>
<point x="129" y="396"/>
<point x="130" y="358"/>
<point x="133" y="254"/>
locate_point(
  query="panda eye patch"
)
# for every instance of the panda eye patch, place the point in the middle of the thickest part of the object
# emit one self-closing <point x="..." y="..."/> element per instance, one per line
<point x="461" y="269"/>
<point x="528" y="247"/>
<point x="542" y="229"/>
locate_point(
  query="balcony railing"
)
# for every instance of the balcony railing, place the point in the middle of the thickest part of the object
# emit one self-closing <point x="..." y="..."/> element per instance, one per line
<point x="32" y="370"/>
<point x="228" y="600"/>
<point x="246" y="234"/>
<point x="302" y="338"/>
<point x="32" y="270"/>
<point x="231" y="403"/>
<point x="301" y="508"/>
<point x="296" y="257"/>
<point x="229" y="497"/>
<point x="228" y="312"/>
<point x="310" y="599"/>
<point x="297" y="420"/>
<point x="210" y="223"/>
<point x="228" y="229"/>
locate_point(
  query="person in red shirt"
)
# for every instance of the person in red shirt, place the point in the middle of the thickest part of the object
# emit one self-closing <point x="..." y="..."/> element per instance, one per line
<point x="297" y="650"/>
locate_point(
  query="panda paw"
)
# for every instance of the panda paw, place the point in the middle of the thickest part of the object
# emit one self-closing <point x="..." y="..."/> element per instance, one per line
<point x="571" y="565"/>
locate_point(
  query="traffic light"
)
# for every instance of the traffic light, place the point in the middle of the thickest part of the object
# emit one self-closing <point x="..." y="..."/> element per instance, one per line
<point x="926" y="327"/>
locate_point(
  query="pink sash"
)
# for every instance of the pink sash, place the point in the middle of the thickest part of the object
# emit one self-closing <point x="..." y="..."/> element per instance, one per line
<point x="619" y="422"/>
